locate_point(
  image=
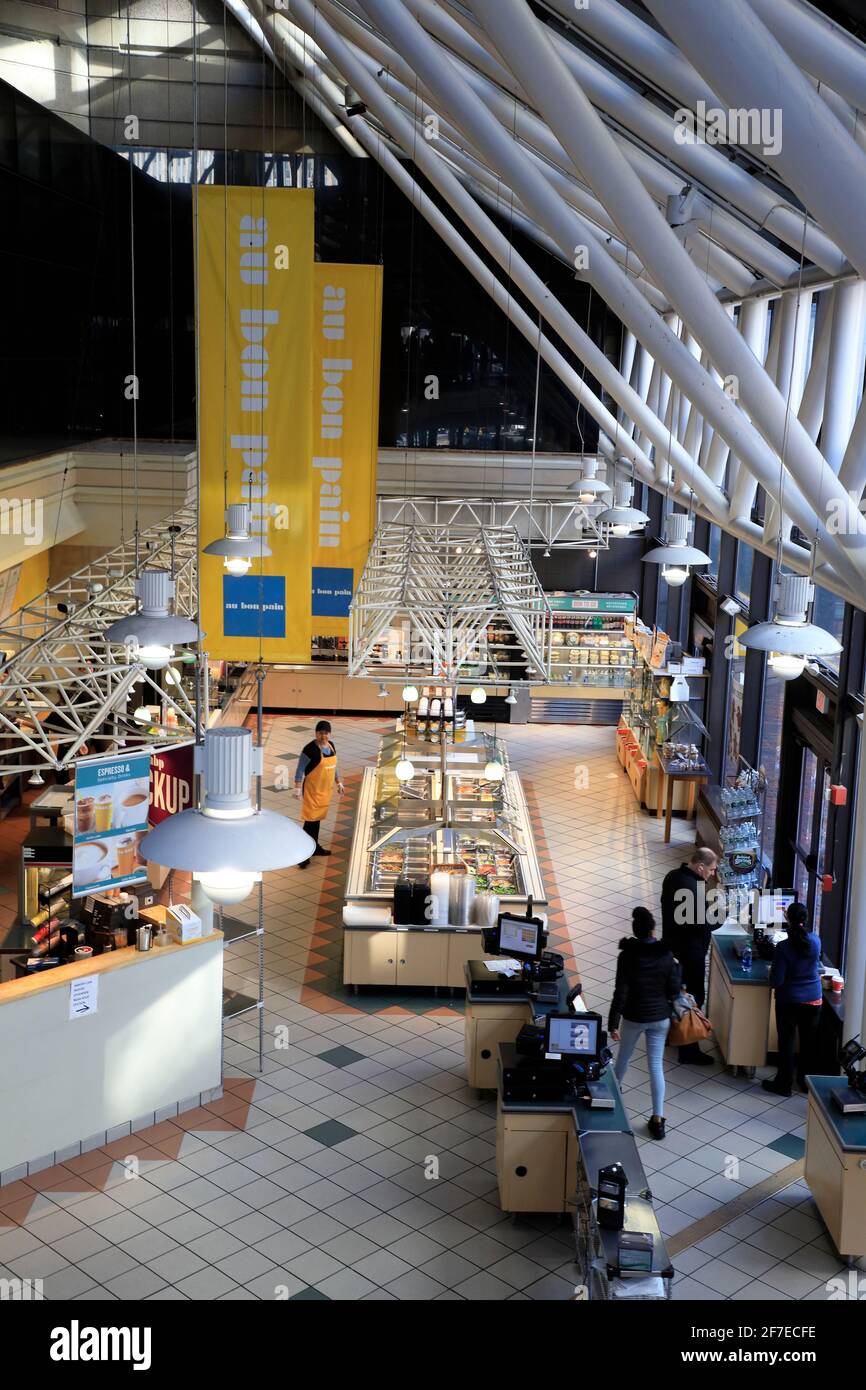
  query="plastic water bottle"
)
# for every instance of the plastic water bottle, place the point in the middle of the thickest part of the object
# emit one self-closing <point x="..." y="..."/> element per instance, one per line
<point x="747" y="958"/>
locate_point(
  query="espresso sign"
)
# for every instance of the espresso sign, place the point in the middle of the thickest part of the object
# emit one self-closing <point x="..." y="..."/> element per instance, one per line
<point x="112" y="796"/>
<point x="171" y="779"/>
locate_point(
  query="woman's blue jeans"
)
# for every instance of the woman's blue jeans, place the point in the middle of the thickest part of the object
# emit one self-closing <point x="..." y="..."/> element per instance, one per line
<point x="656" y="1037"/>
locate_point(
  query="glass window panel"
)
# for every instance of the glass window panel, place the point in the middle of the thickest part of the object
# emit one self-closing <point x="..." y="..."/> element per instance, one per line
<point x="743" y="581"/>
<point x="829" y="612"/>
<point x="714" y="550"/>
<point x="771" y="742"/>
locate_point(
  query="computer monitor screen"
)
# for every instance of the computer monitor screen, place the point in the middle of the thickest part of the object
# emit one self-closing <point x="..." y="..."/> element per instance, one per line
<point x="573" y="1035"/>
<point x="518" y="937"/>
<point x="771" y="906"/>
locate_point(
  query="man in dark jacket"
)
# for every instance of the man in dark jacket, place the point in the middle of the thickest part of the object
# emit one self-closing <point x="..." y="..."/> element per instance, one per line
<point x="686" y="930"/>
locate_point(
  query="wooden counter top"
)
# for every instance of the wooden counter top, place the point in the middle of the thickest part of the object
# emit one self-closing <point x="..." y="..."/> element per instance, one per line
<point x="61" y="975"/>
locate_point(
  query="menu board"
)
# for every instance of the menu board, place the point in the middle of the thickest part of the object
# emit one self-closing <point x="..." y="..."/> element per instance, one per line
<point x="112" y="797"/>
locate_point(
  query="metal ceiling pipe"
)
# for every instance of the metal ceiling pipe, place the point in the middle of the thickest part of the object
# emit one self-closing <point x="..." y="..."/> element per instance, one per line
<point x="501" y="249"/>
<point x="812" y="403"/>
<point x="523" y="41"/>
<point x="703" y="163"/>
<point x="844" y="371"/>
<point x="818" y="45"/>
<point x="751" y="69"/>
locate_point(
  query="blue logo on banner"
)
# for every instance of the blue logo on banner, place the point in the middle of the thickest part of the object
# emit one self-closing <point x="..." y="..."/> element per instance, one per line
<point x="332" y="592"/>
<point x="254" y="605"/>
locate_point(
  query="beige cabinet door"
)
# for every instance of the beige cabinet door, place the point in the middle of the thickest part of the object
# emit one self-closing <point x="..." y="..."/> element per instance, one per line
<point x="422" y="957"/>
<point x="463" y="947"/>
<point x="488" y="1034"/>
<point x="719" y="1008"/>
<point x="825" y="1175"/>
<point x="370" y="958"/>
<point x="532" y="1170"/>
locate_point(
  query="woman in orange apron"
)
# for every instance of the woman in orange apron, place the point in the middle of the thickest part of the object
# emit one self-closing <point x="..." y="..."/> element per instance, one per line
<point x="315" y="779"/>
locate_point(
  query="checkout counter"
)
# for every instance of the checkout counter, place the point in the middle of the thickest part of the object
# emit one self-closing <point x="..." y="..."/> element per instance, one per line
<point x="740" y="1003"/>
<point x="549" y="1154"/>
<point x="836" y="1166"/>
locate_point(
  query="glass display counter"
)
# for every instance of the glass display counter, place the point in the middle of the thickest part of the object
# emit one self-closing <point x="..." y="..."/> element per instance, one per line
<point x="449" y="817"/>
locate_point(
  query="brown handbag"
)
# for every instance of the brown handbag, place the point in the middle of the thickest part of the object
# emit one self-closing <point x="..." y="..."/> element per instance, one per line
<point x="692" y="1027"/>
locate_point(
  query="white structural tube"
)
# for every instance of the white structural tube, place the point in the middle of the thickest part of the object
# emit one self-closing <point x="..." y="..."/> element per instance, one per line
<point x="844" y="371"/>
<point x="818" y="45"/>
<point x="524" y="43"/>
<point x="751" y="70"/>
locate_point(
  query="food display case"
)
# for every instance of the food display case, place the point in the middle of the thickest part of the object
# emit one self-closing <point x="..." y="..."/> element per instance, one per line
<point x="652" y="723"/>
<point x="589" y="644"/>
<point x="449" y="819"/>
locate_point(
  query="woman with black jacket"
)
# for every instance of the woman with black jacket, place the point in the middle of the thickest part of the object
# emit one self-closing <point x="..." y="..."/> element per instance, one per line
<point x="648" y="979"/>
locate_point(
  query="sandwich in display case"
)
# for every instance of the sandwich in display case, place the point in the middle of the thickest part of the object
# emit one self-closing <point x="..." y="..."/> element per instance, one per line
<point x="433" y="858"/>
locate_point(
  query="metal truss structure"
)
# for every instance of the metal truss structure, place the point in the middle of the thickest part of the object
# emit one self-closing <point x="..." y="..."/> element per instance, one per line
<point x="63" y="688"/>
<point x="540" y="522"/>
<point x="707" y="178"/>
<point x="427" y="596"/>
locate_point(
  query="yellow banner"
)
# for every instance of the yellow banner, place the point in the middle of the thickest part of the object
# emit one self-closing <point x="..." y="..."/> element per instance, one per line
<point x="255" y="295"/>
<point x="347" y="328"/>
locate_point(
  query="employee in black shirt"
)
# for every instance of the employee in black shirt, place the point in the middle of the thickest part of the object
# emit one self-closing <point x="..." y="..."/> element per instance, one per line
<point x="315" y="778"/>
<point x="686" y="930"/>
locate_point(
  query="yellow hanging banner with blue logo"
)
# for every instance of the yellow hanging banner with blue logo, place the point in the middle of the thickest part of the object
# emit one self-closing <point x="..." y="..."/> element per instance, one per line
<point x="347" y="332"/>
<point x="254" y="259"/>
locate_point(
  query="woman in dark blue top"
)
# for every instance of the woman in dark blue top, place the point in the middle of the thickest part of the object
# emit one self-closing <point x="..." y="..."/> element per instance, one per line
<point x="795" y="977"/>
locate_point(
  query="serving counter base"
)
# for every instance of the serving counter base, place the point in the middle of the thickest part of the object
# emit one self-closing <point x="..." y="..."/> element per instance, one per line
<point x="740" y="1006"/>
<point x="152" y="1044"/>
<point x="836" y="1166"/>
<point x="389" y="955"/>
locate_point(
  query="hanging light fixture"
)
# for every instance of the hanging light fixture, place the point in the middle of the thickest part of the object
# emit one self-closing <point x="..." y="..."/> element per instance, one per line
<point x="622" y="517"/>
<point x="405" y="770"/>
<point x="478" y="695"/>
<point x="675" y="555"/>
<point x="238" y="548"/>
<point x="587" y="485"/>
<point x="227" y="844"/>
<point x="511" y="698"/>
<point x="143" y="715"/>
<point x="151" y="632"/>
<point x="680" y="692"/>
<point x="493" y="770"/>
<point x="36" y="779"/>
<point x="410" y="694"/>
<point x="790" y="639"/>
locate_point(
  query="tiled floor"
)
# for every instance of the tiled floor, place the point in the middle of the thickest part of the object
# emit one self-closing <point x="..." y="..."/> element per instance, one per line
<point x="313" y="1181"/>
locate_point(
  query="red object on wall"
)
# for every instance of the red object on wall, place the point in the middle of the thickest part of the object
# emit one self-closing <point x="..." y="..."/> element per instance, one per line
<point x="838" y="795"/>
<point x="827" y="882"/>
<point x="171" y="783"/>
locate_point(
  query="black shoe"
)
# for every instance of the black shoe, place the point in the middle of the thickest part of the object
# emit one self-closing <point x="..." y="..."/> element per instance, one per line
<point x="319" y="850"/>
<point x="304" y="864"/>
<point x="656" y="1127"/>
<point x="694" y="1059"/>
<point x="772" y="1085"/>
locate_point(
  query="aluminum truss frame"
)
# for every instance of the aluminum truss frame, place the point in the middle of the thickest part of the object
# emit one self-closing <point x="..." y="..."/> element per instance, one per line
<point x="62" y="686"/>
<point x="440" y="586"/>
<point x="540" y="522"/>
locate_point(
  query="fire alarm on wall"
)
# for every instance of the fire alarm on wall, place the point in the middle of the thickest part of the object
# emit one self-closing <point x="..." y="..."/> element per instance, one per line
<point x="838" y="795"/>
<point x="827" y="882"/>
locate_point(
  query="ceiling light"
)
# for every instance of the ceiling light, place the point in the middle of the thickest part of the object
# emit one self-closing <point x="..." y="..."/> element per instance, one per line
<point x="547" y="553"/>
<point x="172" y="676"/>
<point x="150" y="633"/>
<point x="790" y="639"/>
<point x="593" y="554"/>
<point x="493" y="770"/>
<point x="227" y="844"/>
<point x="405" y="770"/>
<point x="36" y="779"/>
<point x="478" y="695"/>
<point x="587" y="486"/>
<point x="675" y="555"/>
<point x="410" y="694"/>
<point x="142" y="715"/>
<point x="238" y="548"/>
<point x="622" y="517"/>
<point x="511" y="698"/>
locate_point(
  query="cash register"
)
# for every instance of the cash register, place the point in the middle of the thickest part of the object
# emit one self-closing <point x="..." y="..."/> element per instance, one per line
<point x="523" y="941"/>
<point x="566" y="1065"/>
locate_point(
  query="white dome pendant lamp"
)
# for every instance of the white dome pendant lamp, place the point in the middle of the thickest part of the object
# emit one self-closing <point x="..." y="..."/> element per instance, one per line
<point x="675" y="555"/>
<point x="790" y="639"/>
<point x="238" y="548"/>
<point x="622" y="517"/>
<point x="587" y="485"/>
<point x="227" y="844"/>
<point x="150" y="633"/>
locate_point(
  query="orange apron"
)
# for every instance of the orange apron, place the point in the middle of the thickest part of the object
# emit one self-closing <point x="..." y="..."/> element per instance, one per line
<point x="319" y="788"/>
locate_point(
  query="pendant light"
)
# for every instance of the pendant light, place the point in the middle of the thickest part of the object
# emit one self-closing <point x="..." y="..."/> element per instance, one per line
<point x="622" y="517"/>
<point x="790" y="639"/>
<point x="511" y="698"/>
<point x="410" y="694"/>
<point x="36" y="779"/>
<point x="478" y="695"/>
<point x="675" y="555"/>
<point x="405" y="770"/>
<point x="151" y="632"/>
<point x="238" y="548"/>
<point x="588" y="487"/>
<point x="493" y="770"/>
<point x="227" y="844"/>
